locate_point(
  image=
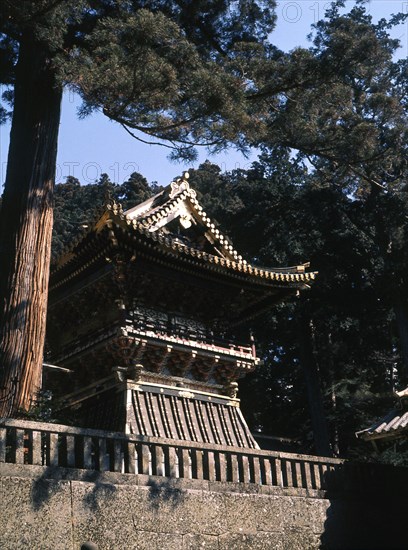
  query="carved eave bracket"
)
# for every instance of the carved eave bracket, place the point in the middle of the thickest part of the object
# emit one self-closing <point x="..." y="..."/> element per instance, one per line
<point x="136" y="358"/>
<point x="126" y="351"/>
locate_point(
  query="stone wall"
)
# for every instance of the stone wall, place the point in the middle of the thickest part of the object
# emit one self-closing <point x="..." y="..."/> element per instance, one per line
<point x="46" y="508"/>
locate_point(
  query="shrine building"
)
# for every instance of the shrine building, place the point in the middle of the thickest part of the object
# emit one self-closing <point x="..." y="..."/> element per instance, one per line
<point x="149" y="313"/>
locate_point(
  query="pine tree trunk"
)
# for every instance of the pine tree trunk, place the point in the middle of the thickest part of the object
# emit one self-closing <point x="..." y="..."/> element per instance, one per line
<point x="26" y="226"/>
<point x="314" y="395"/>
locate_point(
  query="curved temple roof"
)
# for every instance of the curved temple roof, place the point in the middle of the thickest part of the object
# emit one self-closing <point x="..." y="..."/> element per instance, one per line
<point x="179" y="200"/>
<point x="197" y="238"/>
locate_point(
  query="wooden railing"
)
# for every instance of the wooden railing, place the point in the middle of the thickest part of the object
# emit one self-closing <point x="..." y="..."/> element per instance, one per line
<point x="52" y="445"/>
<point x="183" y="329"/>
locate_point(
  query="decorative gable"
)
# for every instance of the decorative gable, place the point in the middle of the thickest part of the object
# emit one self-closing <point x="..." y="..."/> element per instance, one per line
<point x="175" y="212"/>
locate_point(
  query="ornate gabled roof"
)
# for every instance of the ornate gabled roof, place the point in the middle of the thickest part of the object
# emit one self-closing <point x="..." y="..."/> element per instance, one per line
<point x="179" y="201"/>
<point x="174" y="224"/>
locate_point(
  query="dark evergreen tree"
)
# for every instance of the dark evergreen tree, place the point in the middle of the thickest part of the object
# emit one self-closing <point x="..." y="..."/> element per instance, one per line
<point x="345" y="100"/>
<point x="134" y="191"/>
<point x="77" y="206"/>
<point x="331" y="357"/>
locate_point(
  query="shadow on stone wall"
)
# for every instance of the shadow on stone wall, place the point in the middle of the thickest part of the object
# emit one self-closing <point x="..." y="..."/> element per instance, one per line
<point x="164" y="491"/>
<point x="49" y="483"/>
<point x="368" y="508"/>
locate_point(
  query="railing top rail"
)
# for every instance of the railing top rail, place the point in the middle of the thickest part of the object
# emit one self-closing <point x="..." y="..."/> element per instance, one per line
<point x="88" y="432"/>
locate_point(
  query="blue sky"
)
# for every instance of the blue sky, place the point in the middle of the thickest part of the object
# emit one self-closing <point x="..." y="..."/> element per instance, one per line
<point x="95" y="145"/>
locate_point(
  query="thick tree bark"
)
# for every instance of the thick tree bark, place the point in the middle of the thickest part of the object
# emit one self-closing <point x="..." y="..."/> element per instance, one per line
<point x="314" y="394"/>
<point x="26" y="226"/>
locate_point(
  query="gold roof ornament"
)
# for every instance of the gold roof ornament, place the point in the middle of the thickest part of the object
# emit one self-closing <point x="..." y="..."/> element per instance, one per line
<point x="180" y="185"/>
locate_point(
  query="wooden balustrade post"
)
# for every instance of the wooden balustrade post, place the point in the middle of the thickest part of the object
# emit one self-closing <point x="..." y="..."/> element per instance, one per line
<point x="159" y="466"/>
<point x="288" y="471"/>
<point x="172" y="462"/>
<point x="197" y="464"/>
<point x="184" y="463"/>
<point x="144" y="459"/>
<point x="233" y="468"/>
<point x="130" y="462"/>
<point x="35" y="450"/>
<point x="221" y="466"/>
<point x="103" y="457"/>
<point x="3" y="436"/>
<point x="255" y="469"/>
<point x="243" y="469"/>
<point x="71" y="463"/>
<point x="266" y="471"/>
<point x="19" y="446"/>
<point x="210" y="464"/>
<point x="315" y="475"/>
<point x="52" y="449"/>
<point x="297" y="473"/>
<point x="307" y="475"/>
<point x="88" y="459"/>
<point x="117" y="455"/>
<point x="279" y="472"/>
<point x="323" y="469"/>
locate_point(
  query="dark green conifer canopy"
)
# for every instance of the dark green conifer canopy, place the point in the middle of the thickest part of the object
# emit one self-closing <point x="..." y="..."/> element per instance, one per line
<point x="167" y="69"/>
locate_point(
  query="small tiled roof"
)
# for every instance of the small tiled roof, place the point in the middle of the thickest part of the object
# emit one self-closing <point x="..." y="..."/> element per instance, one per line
<point x="393" y="425"/>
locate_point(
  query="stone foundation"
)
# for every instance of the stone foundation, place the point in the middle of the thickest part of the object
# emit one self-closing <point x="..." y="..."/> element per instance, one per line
<point x="56" y="508"/>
